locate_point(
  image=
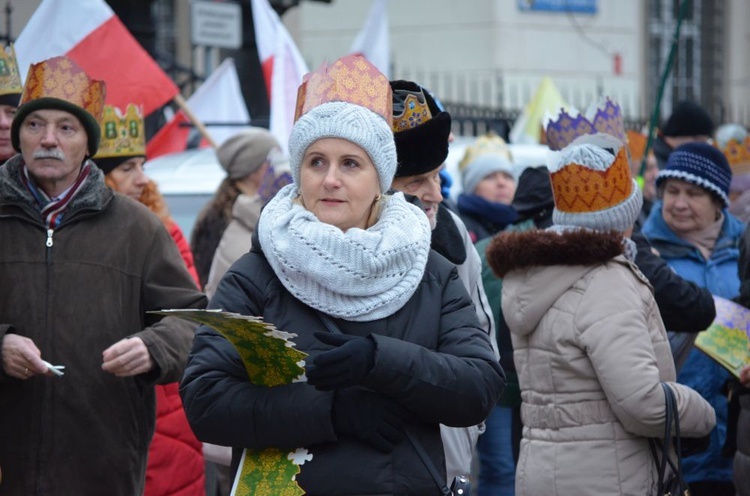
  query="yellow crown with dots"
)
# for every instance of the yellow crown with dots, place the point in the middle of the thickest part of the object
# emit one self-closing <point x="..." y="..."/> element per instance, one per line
<point x="738" y="155"/>
<point x="351" y="79"/>
<point x="122" y="135"/>
<point x="10" y="79"/>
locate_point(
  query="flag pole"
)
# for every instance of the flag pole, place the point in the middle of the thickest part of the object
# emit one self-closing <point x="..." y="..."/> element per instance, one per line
<point x="179" y="100"/>
<point x="660" y="94"/>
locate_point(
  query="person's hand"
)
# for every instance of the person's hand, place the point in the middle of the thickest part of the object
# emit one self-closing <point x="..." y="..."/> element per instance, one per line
<point x="745" y="376"/>
<point x="345" y="365"/>
<point x="127" y="357"/>
<point x="21" y="357"/>
<point x="373" y="418"/>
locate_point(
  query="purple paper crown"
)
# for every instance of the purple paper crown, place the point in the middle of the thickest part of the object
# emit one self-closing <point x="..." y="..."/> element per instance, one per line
<point x="566" y="128"/>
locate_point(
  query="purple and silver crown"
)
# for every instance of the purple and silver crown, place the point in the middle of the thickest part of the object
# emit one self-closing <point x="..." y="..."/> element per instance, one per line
<point x="563" y="130"/>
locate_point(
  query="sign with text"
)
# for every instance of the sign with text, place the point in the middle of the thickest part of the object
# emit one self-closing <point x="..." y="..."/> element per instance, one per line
<point x="216" y="24"/>
<point x="573" y="6"/>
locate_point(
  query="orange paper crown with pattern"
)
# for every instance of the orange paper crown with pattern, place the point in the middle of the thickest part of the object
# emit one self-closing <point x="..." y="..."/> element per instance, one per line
<point x="122" y="135"/>
<point x="738" y="155"/>
<point x="59" y="83"/>
<point x="350" y="79"/>
<point x="592" y="185"/>
<point x="62" y="79"/>
<point x="10" y="80"/>
<point x="636" y="145"/>
<point x="566" y="128"/>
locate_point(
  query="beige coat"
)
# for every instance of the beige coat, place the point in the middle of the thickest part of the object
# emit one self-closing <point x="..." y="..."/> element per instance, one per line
<point x="590" y="351"/>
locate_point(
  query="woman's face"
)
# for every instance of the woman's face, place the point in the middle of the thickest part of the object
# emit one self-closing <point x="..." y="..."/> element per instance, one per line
<point x="688" y="208"/>
<point x="497" y="187"/>
<point x="129" y="178"/>
<point x="338" y="183"/>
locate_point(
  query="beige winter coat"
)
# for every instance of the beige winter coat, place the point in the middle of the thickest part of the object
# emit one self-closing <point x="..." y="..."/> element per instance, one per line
<point x="590" y="351"/>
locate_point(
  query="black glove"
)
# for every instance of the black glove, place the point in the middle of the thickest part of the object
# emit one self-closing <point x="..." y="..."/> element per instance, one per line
<point x="346" y="365"/>
<point x="370" y="417"/>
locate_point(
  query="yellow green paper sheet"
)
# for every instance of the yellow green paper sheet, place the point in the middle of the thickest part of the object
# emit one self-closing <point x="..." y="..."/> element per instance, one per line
<point x="726" y="339"/>
<point x="270" y="359"/>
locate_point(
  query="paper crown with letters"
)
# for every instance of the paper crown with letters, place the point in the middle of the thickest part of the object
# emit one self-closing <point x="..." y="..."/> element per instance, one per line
<point x="351" y="79"/>
<point x="10" y="80"/>
<point x="122" y="135"/>
<point x="604" y="118"/>
<point x="59" y="83"/>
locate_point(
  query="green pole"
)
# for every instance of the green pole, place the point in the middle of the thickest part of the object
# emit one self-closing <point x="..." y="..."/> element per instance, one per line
<point x="660" y="93"/>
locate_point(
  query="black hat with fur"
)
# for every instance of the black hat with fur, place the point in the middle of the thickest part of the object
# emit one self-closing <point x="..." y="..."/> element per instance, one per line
<point x="421" y="129"/>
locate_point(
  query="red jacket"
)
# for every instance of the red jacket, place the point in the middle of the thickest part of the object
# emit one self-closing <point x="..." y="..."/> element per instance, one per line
<point x="175" y="456"/>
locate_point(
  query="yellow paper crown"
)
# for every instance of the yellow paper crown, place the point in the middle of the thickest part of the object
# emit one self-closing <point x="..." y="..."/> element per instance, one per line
<point x="62" y="79"/>
<point x="566" y="128"/>
<point x="581" y="188"/>
<point x="350" y="79"/>
<point x="489" y="144"/>
<point x="122" y="135"/>
<point x="10" y="80"/>
<point x="416" y="112"/>
<point x="738" y="155"/>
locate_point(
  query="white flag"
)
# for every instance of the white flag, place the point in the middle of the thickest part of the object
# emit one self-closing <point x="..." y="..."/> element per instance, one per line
<point x="373" y="40"/>
<point x="283" y="68"/>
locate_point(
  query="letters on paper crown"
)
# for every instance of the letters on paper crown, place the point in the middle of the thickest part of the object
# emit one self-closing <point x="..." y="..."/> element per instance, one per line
<point x="122" y="135"/>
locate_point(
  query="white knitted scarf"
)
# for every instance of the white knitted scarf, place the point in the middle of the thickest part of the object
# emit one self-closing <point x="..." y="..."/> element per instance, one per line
<point x="358" y="275"/>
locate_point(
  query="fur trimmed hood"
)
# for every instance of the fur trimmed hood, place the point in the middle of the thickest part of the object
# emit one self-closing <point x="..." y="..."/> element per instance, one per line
<point x="536" y="248"/>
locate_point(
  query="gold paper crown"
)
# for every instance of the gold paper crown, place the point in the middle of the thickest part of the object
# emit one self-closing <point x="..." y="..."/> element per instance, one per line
<point x="350" y="79"/>
<point x="122" y="135"/>
<point x="488" y="144"/>
<point x="566" y="128"/>
<point x="578" y="188"/>
<point x="62" y="79"/>
<point x="738" y="155"/>
<point x="10" y="80"/>
<point x="415" y="112"/>
<point x="636" y="145"/>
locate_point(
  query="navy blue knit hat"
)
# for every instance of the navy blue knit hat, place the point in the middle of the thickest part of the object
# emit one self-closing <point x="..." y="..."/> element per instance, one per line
<point x="701" y="164"/>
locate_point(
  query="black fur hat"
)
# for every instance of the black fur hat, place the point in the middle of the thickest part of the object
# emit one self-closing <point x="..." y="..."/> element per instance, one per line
<point x="421" y="143"/>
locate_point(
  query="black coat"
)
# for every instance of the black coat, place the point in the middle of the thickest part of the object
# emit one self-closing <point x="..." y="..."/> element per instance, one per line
<point x="431" y="356"/>
<point x="684" y="306"/>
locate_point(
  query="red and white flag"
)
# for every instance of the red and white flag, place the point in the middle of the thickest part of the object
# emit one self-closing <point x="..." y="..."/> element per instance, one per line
<point x="373" y="41"/>
<point x="90" y="33"/>
<point x="283" y="68"/>
<point x="218" y="100"/>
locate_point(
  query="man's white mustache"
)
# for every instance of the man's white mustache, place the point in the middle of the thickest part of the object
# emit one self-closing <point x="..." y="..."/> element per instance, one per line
<point x="56" y="154"/>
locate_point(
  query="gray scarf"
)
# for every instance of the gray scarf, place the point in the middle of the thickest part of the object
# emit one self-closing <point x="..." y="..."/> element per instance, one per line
<point x="358" y="275"/>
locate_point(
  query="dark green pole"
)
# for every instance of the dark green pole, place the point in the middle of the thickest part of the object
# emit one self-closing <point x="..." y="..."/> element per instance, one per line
<point x="660" y="94"/>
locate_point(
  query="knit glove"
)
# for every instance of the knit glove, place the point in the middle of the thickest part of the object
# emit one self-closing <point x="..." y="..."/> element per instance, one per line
<point x="373" y="418"/>
<point x="345" y="365"/>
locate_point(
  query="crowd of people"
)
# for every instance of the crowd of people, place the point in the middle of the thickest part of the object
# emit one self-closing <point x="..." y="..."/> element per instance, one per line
<point x="521" y="335"/>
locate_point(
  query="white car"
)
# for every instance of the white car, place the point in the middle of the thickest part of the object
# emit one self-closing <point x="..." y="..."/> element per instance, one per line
<point x="187" y="180"/>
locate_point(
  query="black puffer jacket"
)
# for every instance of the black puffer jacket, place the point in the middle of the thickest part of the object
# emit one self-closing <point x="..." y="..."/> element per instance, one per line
<point x="431" y="357"/>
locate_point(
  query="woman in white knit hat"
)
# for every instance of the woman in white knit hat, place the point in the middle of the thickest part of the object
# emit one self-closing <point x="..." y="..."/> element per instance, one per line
<point x="489" y="179"/>
<point x="589" y="344"/>
<point x="393" y="342"/>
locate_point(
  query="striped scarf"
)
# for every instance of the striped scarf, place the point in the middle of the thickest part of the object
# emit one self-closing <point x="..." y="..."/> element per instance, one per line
<point x="52" y="209"/>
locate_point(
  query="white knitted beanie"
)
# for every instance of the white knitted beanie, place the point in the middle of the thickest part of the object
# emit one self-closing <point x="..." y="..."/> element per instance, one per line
<point x="351" y="122"/>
